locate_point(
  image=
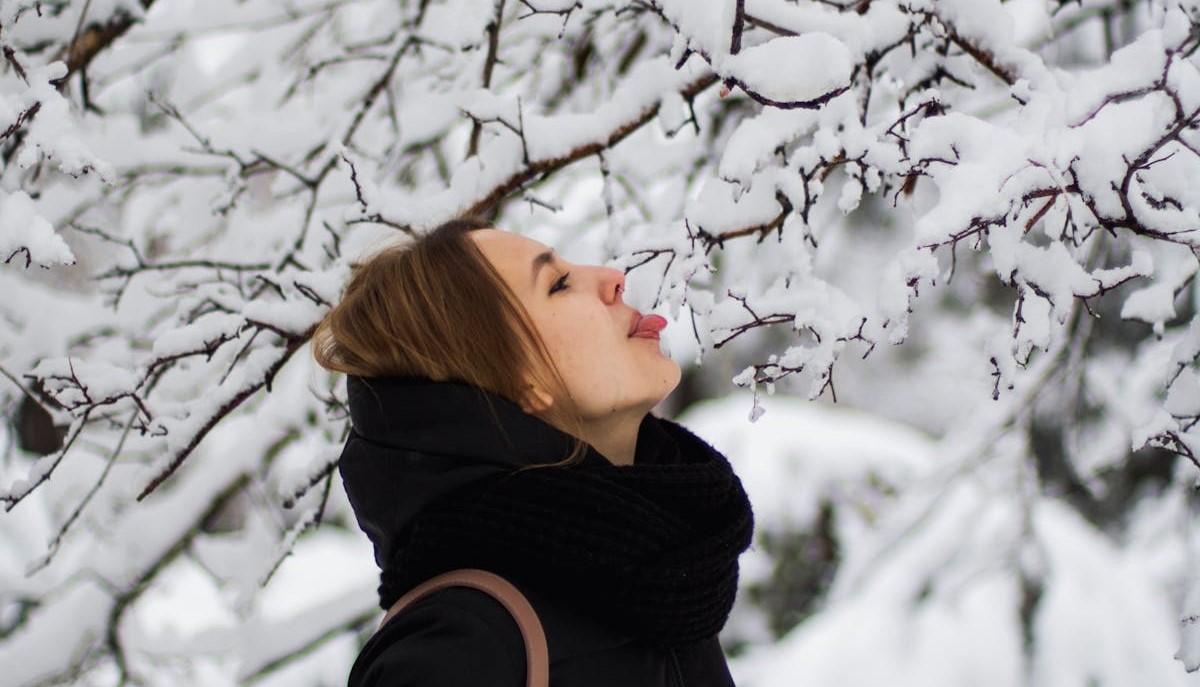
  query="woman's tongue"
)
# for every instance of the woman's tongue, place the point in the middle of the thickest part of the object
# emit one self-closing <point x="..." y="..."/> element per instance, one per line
<point x="650" y="325"/>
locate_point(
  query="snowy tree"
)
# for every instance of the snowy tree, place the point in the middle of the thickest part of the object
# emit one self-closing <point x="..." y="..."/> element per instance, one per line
<point x="185" y="185"/>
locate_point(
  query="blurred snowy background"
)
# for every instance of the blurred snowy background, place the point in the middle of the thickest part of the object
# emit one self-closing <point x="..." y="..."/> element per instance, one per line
<point x="929" y="267"/>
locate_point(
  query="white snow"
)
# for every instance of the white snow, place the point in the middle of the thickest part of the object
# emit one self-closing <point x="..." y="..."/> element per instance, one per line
<point x="212" y="155"/>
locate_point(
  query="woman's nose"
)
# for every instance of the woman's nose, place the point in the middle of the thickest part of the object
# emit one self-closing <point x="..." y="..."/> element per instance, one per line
<point x="613" y="284"/>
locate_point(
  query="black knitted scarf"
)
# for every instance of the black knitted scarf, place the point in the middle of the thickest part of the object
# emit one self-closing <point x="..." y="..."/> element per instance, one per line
<point x="655" y="543"/>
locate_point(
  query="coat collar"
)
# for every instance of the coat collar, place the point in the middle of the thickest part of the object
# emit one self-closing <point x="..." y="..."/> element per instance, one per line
<point x="414" y="439"/>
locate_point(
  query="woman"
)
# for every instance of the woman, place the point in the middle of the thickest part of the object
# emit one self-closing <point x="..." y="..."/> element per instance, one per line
<point x="500" y="420"/>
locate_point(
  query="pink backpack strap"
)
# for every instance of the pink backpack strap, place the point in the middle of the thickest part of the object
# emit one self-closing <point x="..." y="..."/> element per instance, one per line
<point x="536" y="656"/>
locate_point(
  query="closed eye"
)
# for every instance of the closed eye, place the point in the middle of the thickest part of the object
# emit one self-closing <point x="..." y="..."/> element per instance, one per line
<point x="560" y="283"/>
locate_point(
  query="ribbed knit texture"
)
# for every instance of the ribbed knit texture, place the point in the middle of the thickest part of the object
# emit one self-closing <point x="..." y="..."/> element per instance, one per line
<point x="660" y="543"/>
<point x="650" y="547"/>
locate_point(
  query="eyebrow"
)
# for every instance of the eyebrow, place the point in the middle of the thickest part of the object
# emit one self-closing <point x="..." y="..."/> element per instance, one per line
<point x="540" y="260"/>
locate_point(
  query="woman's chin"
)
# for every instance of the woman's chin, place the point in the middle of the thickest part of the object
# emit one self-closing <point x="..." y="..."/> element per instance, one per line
<point x="671" y="376"/>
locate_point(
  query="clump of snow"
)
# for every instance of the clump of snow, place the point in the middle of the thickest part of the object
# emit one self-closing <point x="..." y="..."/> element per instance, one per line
<point x="791" y="68"/>
<point x="1152" y="304"/>
<point x="1183" y="397"/>
<point x="22" y="227"/>
<point x="1189" y="647"/>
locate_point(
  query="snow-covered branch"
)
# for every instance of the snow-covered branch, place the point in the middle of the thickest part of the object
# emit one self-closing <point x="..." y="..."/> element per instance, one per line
<point x="193" y="180"/>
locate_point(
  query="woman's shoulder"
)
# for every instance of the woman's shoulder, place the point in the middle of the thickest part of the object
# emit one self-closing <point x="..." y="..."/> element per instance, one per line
<point x="458" y="634"/>
<point x="453" y="636"/>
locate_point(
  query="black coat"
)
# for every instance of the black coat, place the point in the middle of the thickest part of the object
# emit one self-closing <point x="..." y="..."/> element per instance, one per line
<point x="406" y="448"/>
<point x="460" y="637"/>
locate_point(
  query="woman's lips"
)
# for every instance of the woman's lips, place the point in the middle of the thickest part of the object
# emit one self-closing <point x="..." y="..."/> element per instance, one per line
<point x="649" y="326"/>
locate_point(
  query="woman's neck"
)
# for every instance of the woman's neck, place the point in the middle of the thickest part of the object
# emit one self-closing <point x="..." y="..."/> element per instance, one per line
<point x="615" y="435"/>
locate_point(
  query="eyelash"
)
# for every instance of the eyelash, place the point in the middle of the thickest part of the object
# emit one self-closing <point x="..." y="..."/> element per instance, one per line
<point x="561" y="281"/>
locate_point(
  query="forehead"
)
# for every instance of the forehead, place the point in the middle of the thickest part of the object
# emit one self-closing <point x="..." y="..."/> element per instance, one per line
<point x="511" y="253"/>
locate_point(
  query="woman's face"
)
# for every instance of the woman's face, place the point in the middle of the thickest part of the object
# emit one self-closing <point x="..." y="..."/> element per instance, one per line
<point x="585" y="324"/>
